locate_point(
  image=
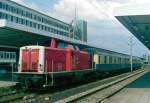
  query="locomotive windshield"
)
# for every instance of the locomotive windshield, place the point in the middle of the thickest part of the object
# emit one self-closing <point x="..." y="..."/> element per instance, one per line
<point x="62" y="45"/>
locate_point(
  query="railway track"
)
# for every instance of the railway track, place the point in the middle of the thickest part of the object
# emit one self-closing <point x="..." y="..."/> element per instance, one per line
<point x="88" y="93"/>
<point x="14" y="96"/>
<point x="95" y="92"/>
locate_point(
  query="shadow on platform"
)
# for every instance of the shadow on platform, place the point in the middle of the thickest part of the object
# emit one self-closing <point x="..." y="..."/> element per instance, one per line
<point x="142" y="82"/>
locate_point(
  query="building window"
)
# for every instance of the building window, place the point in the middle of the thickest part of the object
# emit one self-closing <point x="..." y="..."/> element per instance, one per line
<point x="30" y="24"/>
<point x="39" y="26"/>
<point x="0" y="15"/>
<point x="39" y="19"/>
<point x="34" y="24"/>
<point x="42" y="27"/>
<point x="12" y="18"/>
<point x="0" y="4"/>
<point x="35" y="17"/>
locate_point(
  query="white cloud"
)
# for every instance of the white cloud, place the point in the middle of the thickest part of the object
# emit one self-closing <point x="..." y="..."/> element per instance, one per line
<point x="34" y="6"/>
<point x="19" y="1"/>
<point x="103" y="29"/>
<point x="31" y="5"/>
<point x="139" y="1"/>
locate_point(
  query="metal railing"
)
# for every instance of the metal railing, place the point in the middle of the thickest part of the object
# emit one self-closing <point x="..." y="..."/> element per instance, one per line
<point x="7" y="57"/>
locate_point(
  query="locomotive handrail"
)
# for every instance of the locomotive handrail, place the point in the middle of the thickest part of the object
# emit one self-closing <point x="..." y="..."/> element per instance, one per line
<point x="52" y="73"/>
<point x="46" y="75"/>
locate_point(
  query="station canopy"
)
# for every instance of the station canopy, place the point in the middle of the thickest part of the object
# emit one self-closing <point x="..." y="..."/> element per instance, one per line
<point x="136" y="18"/>
<point x="16" y="38"/>
<point x="14" y="35"/>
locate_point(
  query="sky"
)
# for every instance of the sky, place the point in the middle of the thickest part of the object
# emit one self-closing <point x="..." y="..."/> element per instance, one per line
<point x="104" y="31"/>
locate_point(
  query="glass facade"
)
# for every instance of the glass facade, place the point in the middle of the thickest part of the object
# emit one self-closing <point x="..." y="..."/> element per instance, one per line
<point x="32" y="20"/>
<point x="81" y="30"/>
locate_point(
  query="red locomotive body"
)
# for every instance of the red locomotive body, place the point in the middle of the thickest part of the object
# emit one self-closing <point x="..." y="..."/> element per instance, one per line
<point x="55" y="60"/>
<point x="50" y="60"/>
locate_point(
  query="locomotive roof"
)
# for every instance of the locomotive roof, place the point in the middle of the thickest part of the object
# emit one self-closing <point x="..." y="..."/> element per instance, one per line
<point x="32" y="46"/>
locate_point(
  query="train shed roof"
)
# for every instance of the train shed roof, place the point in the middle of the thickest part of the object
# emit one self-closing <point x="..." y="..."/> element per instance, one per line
<point x="136" y="18"/>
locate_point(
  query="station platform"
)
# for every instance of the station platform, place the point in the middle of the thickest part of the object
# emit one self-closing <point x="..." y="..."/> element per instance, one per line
<point x="7" y="84"/>
<point x="136" y="92"/>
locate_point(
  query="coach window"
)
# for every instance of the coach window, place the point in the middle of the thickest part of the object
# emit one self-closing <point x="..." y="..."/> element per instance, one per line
<point x="99" y="59"/>
<point x="114" y="60"/>
<point x="118" y="60"/>
<point x="121" y="60"/>
<point x="105" y="59"/>
<point x="110" y="59"/>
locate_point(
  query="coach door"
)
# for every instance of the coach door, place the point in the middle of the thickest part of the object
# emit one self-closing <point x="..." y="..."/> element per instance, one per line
<point x="30" y="60"/>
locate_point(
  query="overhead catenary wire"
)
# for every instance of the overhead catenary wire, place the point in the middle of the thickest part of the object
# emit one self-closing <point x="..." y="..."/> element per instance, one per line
<point x="100" y="9"/>
<point x="131" y="37"/>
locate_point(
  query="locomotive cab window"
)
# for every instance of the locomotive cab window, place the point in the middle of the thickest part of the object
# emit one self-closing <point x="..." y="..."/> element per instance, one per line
<point x="62" y="45"/>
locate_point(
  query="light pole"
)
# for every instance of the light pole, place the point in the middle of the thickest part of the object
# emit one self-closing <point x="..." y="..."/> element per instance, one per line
<point x="131" y="46"/>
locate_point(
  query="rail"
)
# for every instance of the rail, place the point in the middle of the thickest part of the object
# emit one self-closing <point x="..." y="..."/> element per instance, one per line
<point x="104" y="89"/>
<point x="12" y="97"/>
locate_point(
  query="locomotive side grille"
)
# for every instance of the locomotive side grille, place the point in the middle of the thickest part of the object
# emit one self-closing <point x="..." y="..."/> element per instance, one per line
<point x="34" y="65"/>
<point x="59" y="66"/>
<point x="24" y="65"/>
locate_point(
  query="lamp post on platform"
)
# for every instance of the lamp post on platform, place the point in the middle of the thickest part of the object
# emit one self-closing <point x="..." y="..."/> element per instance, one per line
<point x="131" y="55"/>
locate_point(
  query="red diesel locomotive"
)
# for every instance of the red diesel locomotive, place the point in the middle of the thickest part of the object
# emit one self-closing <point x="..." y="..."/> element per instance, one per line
<point x="46" y="66"/>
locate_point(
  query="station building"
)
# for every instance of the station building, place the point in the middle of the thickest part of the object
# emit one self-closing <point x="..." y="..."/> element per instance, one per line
<point x="21" y="26"/>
